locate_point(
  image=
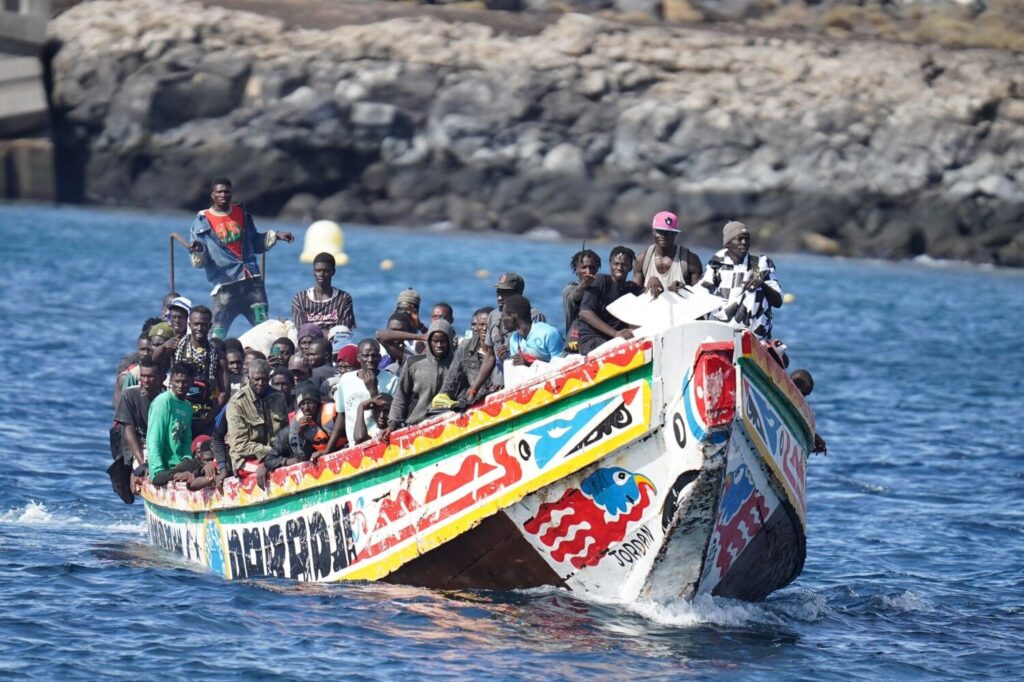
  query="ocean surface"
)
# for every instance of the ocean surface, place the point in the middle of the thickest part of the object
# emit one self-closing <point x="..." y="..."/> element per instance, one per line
<point x="915" y="553"/>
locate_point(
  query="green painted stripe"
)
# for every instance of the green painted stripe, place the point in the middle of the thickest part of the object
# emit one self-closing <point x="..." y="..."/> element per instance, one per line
<point x="793" y="419"/>
<point x="289" y="504"/>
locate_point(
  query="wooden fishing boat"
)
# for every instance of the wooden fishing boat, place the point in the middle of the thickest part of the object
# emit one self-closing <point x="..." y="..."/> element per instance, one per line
<point x="667" y="466"/>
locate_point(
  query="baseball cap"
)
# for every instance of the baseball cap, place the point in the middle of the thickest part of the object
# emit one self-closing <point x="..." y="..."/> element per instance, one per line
<point x="161" y="330"/>
<point x="665" y="220"/>
<point x="510" y="281"/>
<point x="181" y="302"/>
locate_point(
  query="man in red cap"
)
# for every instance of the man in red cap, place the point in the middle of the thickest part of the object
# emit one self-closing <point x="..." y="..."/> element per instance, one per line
<point x="665" y="265"/>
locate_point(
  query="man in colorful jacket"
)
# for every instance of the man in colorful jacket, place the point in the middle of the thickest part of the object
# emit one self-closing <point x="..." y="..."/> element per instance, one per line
<point x="225" y="243"/>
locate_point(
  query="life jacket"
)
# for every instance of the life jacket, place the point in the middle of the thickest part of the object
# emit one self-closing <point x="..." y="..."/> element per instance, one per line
<point x="328" y="412"/>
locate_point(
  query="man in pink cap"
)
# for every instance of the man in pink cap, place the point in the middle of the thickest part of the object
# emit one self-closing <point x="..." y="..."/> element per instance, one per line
<point x="664" y="265"/>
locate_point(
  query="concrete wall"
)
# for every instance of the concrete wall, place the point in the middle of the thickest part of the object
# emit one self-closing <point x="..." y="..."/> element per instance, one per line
<point x="26" y="151"/>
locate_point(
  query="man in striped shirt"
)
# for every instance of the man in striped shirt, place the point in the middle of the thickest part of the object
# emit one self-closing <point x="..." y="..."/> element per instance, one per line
<point x="746" y="282"/>
<point x="324" y="305"/>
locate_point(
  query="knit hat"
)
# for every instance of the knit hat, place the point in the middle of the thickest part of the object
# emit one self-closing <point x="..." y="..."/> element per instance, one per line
<point x="665" y="220"/>
<point x="198" y="441"/>
<point x="310" y="331"/>
<point x="161" y="330"/>
<point x="733" y="229"/>
<point x="349" y="355"/>
<point x="409" y="297"/>
<point x="307" y="390"/>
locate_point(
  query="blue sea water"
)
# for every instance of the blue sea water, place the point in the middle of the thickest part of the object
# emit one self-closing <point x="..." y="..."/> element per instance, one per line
<point x="915" y="556"/>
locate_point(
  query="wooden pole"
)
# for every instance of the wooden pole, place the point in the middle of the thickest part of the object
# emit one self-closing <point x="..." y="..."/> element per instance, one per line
<point x="170" y="251"/>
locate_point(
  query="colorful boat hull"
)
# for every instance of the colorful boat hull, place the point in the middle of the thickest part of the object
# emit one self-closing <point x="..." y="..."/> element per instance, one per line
<point x="661" y="467"/>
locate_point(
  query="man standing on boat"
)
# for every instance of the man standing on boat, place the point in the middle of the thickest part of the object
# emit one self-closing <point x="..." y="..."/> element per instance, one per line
<point x="747" y="283"/>
<point x="665" y="265"/>
<point x="225" y="243"/>
<point x="323" y="304"/>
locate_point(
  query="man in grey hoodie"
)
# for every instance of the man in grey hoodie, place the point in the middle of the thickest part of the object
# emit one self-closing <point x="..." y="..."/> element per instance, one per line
<point x="421" y="378"/>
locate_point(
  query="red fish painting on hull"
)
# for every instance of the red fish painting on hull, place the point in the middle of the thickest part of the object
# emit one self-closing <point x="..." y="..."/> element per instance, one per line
<point x="584" y="522"/>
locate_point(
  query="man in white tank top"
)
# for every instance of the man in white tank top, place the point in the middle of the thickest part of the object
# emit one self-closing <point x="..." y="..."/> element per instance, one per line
<point x="663" y="265"/>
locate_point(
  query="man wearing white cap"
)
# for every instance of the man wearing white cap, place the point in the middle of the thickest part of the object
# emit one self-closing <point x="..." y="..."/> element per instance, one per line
<point x="747" y="283"/>
<point x="664" y="265"/>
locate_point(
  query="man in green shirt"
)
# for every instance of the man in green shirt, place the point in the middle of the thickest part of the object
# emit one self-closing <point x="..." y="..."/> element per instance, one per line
<point x="169" y="432"/>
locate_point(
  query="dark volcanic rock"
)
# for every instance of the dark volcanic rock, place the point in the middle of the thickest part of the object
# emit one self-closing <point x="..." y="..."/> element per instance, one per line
<point x="588" y="127"/>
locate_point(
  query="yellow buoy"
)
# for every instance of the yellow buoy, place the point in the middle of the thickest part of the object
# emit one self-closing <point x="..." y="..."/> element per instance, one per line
<point x="324" y="236"/>
<point x="387" y="264"/>
<point x="788" y="298"/>
<point x="483" y="273"/>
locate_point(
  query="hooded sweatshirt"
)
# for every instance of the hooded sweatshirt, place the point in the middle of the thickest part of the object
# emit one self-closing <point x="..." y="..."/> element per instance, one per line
<point x="421" y="379"/>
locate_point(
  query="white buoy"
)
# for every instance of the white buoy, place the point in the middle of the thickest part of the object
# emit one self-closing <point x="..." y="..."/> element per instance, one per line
<point x="324" y="236"/>
<point x="483" y="273"/>
<point x="387" y="264"/>
<point x="788" y="298"/>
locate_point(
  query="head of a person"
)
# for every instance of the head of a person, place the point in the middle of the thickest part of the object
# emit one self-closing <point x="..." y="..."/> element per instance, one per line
<point x="251" y="355"/>
<point x="221" y="193"/>
<point x="515" y="316"/>
<point x="233" y="344"/>
<point x="200" y="321"/>
<point x="297" y="366"/>
<point x="319" y="353"/>
<point x="478" y="325"/>
<point x="144" y="348"/>
<point x="159" y="334"/>
<point x="307" y="396"/>
<point x="736" y="239"/>
<point x="803" y="380"/>
<point x="219" y="344"/>
<point x="165" y="305"/>
<point x="585" y="262"/>
<point x="151" y="377"/>
<point x="307" y="333"/>
<point x="281" y="351"/>
<point x="442" y="311"/>
<point x="509" y="284"/>
<point x="408" y="301"/>
<point x="620" y="263"/>
<point x="400" y="321"/>
<point x="439" y="339"/>
<point x="348" y="358"/>
<point x="283" y="380"/>
<point x="369" y="354"/>
<point x="178" y="314"/>
<point x="380" y="411"/>
<point x="235" y="360"/>
<point x="324" y="267"/>
<point x="202" y="448"/>
<point x="665" y="228"/>
<point x="259" y="377"/>
<point x="180" y="379"/>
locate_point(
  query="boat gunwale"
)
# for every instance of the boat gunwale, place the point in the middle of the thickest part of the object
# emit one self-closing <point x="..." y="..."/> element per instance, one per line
<point x="559" y="384"/>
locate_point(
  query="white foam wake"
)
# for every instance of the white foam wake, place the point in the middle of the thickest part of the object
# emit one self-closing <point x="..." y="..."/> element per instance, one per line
<point x="36" y="514"/>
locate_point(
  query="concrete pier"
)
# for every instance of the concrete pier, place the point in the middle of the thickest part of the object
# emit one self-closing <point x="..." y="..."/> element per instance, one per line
<point x="26" y="150"/>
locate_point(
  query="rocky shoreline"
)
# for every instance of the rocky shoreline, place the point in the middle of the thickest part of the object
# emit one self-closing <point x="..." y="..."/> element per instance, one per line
<point x="587" y="126"/>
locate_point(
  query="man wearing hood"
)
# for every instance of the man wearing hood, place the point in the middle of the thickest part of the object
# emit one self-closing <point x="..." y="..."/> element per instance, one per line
<point x="421" y="378"/>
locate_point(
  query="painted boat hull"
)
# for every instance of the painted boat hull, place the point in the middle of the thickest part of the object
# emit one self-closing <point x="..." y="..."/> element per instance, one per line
<point x="662" y="467"/>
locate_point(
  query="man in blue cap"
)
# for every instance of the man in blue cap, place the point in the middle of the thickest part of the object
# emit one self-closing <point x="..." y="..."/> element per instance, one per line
<point x="225" y="243"/>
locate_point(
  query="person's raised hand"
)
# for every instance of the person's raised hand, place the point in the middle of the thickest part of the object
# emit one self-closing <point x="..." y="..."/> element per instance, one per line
<point x="654" y="287"/>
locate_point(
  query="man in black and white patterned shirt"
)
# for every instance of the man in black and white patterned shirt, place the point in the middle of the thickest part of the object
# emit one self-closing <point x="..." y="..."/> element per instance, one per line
<point x="747" y="283"/>
<point x="324" y="305"/>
